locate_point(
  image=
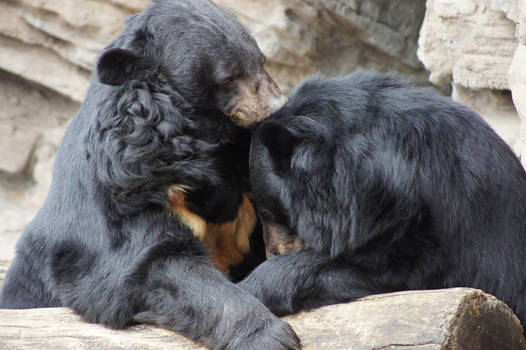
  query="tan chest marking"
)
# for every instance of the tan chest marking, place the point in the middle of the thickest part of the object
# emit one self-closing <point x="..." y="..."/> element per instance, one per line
<point x="228" y="242"/>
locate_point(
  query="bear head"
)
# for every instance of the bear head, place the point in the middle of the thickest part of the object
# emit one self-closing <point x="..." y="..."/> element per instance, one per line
<point x="308" y="162"/>
<point x="203" y="52"/>
<point x="341" y="165"/>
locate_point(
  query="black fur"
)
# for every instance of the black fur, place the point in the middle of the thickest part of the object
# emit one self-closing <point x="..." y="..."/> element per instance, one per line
<point x="105" y="242"/>
<point x="391" y="187"/>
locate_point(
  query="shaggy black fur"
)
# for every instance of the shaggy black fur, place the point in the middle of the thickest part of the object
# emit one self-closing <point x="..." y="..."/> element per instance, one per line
<point x="390" y="187"/>
<point x="105" y="242"/>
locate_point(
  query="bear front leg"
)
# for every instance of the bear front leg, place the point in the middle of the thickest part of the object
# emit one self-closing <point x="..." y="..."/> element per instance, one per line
<point x="188" y="295"/>
<point x="305" y="280"/>
<point x="171" y="284"/>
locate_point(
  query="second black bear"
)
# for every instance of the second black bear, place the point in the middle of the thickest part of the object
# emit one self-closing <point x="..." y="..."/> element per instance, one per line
<point x="387" y="187"/>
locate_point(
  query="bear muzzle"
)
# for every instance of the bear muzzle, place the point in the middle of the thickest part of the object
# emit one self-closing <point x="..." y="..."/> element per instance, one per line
<point x="279" y="241"/>
<point x="258" y="97"/>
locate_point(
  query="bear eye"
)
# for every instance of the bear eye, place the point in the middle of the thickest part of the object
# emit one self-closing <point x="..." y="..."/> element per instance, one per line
<point x="227" y="80"/>
<point x="235" y="74"/>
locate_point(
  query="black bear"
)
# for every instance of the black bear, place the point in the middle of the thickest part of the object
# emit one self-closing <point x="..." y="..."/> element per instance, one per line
<point x="386" y="187"/>
<point x="149" y="187"/>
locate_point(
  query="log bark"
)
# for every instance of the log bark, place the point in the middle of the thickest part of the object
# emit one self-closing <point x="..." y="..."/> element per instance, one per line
<point x="451" y="319"/>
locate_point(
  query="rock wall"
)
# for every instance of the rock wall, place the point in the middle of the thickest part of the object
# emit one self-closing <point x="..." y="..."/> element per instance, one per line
<point x="334" y="37"/>
<point x="517" y="74"/>
<point x="48" y="49"/>
<point x="478" y="47"/>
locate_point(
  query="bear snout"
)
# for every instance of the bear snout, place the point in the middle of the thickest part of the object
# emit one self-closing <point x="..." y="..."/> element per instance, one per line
<point x="279" y="241"/>
<point x="258" y="97"/>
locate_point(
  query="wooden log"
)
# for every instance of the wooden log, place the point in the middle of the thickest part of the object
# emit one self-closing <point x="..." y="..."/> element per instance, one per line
<point x="452" y="319"/>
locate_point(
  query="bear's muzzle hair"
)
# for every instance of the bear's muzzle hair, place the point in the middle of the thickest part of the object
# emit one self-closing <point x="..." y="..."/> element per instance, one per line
<point x="278" y="240"/>
<point x="258" y="97"/>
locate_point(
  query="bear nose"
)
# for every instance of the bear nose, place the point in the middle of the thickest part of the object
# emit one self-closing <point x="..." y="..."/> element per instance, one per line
<point x="270" y="254"/>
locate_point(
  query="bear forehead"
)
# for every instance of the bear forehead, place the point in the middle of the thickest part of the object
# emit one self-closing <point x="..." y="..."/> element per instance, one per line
<point x="200" y="23"/>
<point x="198" y="12"/>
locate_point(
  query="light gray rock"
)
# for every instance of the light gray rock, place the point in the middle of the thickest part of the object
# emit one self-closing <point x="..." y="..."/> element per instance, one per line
<point x="47" y="52"/>
<point x="56" y="39"/>
<point x="468" y="40"/>
<point x="496" y="107"/>
<point x="32" y="121"/>
<point x="390" y="26"/>
<point x="522" y="22"/>
<point x="13" y="219"/>
<point x="471" y="44"/>
<point x="26" y="114"/>
<point x="302" y="37"/>
<point x="517" y="78"/>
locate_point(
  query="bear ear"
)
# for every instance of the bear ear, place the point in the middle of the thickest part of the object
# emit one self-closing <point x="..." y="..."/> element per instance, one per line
<point x="116" y="66"/>
<point x="280" y="142"/>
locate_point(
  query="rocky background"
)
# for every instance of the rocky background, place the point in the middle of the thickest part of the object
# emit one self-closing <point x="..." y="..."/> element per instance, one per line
<point x="474" y="50"/>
